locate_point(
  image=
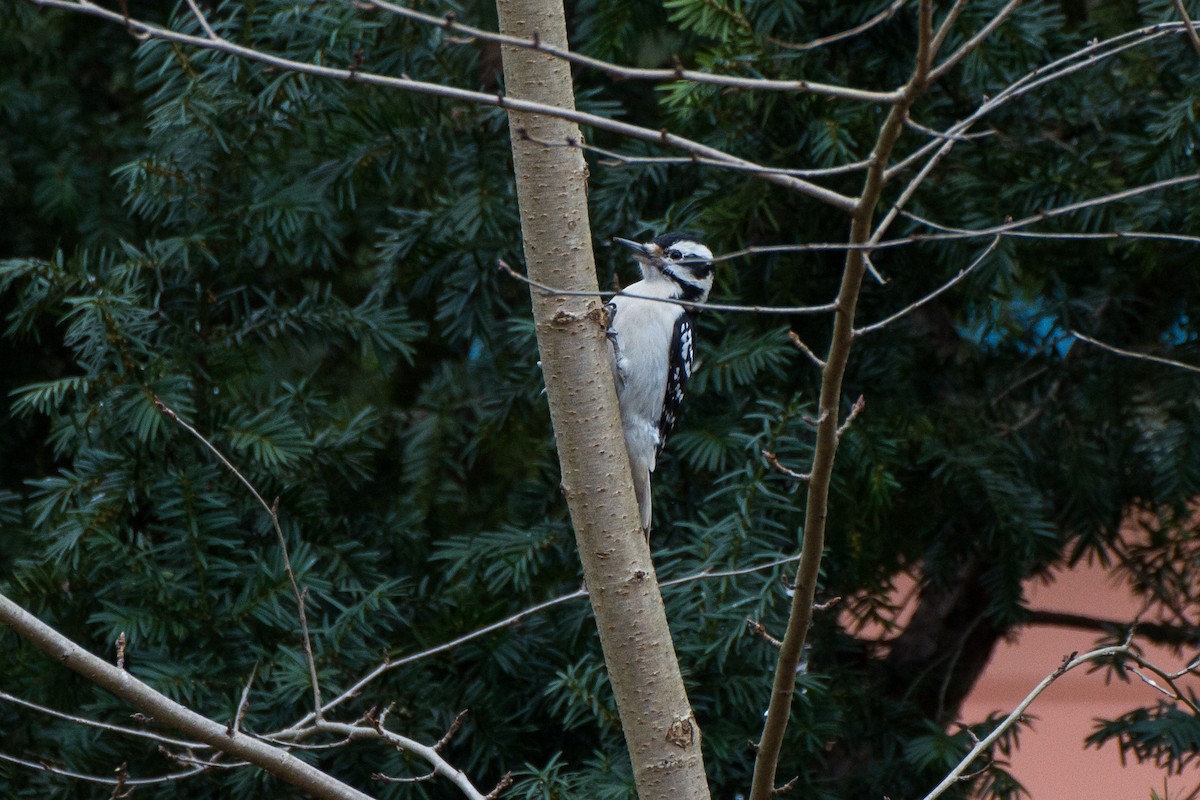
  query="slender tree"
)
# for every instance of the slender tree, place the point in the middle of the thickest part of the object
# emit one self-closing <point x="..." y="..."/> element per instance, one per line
<point x="268" y="240"/>
<point x="660" y="731"/>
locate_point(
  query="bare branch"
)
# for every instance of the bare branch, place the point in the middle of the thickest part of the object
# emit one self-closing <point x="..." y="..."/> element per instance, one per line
<point x="882" y="16"/>
<point x="550" y="290"/>
<point x="1073" y="62"/>
<point x="984" y="32"/>
<point x="951" y="232"/>
<point x="855" y="410"/>
<point x="1191" y="26"/>
<point x="662" y="137"/>
<point x="795" y="339"/>
<point x="200" y="762"/>
<point x="870" y="265"/>
<point x="273" y="513"/>
<point x="243" y="704"/>
<point x="1146" y="679"/>
<point x="43" y="766"/>
<point x="578" y="594"/>
<point x="504" y="783"/>
<point x="107" y="726"/>
<point x="430" y="754"/>
<point x="1170" y="362"/>
<point x="962" y="273"/>
<point x="618" y="159"/>
<point x="453" y="729"/>
<point x="760" y="630"/>
<point x="199" y="15"/>
<point x="450" y="24"/>
<point x="828" y="604"/>
<point x="731" y="573"/>
<point x="774" y="463"/>
<point x="816" y="511"/>
<point x="947" y="25"/>
<point x="389" y="665"/>
<point x="916" y="126"/>
<point x="379" y="776"/>
<point x="1067" y="665"/>
<point x="125" y="686"/>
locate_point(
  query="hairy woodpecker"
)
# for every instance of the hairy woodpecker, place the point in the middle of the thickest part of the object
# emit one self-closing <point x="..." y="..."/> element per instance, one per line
<point x="652" y="344"/>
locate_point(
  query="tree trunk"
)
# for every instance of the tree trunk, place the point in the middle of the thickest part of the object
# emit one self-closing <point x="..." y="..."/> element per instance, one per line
<point x="660" y="731"/>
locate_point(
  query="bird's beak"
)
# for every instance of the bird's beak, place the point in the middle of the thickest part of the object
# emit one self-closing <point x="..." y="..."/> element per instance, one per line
<point x="644" y="252"/>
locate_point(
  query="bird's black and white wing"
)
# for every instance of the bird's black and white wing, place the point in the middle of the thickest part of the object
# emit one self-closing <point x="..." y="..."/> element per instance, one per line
<point x="679" y="371"/>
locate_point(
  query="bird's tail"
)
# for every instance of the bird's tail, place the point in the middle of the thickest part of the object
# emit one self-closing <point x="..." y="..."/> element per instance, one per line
<point x="641" y="487"/>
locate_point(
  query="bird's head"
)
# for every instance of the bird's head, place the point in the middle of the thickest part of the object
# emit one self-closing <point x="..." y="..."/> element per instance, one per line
<point x="679" y="258"/>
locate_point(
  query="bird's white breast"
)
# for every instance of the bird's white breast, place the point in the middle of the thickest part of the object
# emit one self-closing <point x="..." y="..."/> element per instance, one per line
<point x="643" y="331"/>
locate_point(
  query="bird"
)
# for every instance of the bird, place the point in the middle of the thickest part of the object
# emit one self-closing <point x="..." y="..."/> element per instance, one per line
<point x="653" y="347"/>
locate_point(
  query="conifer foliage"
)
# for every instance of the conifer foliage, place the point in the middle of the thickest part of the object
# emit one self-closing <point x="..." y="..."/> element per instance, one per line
<point x="305" y="270"/>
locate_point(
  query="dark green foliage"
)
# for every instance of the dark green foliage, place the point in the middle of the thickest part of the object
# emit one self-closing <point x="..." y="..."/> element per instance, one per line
<point x="1165" y="735"/>
<point x="305" y="271"/>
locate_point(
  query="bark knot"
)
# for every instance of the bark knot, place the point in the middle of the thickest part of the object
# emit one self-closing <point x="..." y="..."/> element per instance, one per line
<point x="600" y="316"/>
<point x="682" y="732"/>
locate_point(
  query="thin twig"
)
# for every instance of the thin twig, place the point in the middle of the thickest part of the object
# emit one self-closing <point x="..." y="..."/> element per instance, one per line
<point x="622" y="158"/>
<point x="1191" y="26"/>
<point x="453" y="729"/>
<point x="1146" y="679"/>
<point x="431" y="756"/>
<point x="795" y="339"/>
<point x="273" y="513"/>
<point x="855" y="410"/>
<point x="1008" y="230"/>
<point x="871" y="268"/>
<point x="970" y="45"/>
<point x="1170" y="362"/>
<point x="1019" y="711"/>
<point x="774" y="463"/>
<point x="963" y="273"/>
<point x="579" y="594"/>
<point x="947" y="24"/>
<point x="450" y="24"/>
<point x="353" y="74"/>
<point x="243" y="704"/>
<point x="949" y="231"/>
<point x="731" y="573"/>
<point x="760" y="630"/>
<point x="916" y="126"/>
<point x="201" y="762"/>
<point x="106" y="726"/>
<point x="882" y="16"/>
<point x="199" y="15"/>
<point x="504" y="783"/>
<point x="828" y="604"/>
<point x="550" y="290"/>
<point x="293" y="741"/>
<point x="379" y="776"/>
<point x="1072" y="62"/>
<point x="104" y="781"/>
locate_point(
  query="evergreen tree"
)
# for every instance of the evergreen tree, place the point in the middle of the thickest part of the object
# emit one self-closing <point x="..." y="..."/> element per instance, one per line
<point x="304" y="269"/>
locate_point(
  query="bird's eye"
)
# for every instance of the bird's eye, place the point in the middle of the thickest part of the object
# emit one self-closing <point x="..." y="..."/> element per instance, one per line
<point x="674" y="255"/>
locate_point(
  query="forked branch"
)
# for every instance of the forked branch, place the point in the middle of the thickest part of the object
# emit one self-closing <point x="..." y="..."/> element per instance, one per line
<point x="832" y="374"/>
<point x="451" y="25"/>
<point x="405" y="83"/>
